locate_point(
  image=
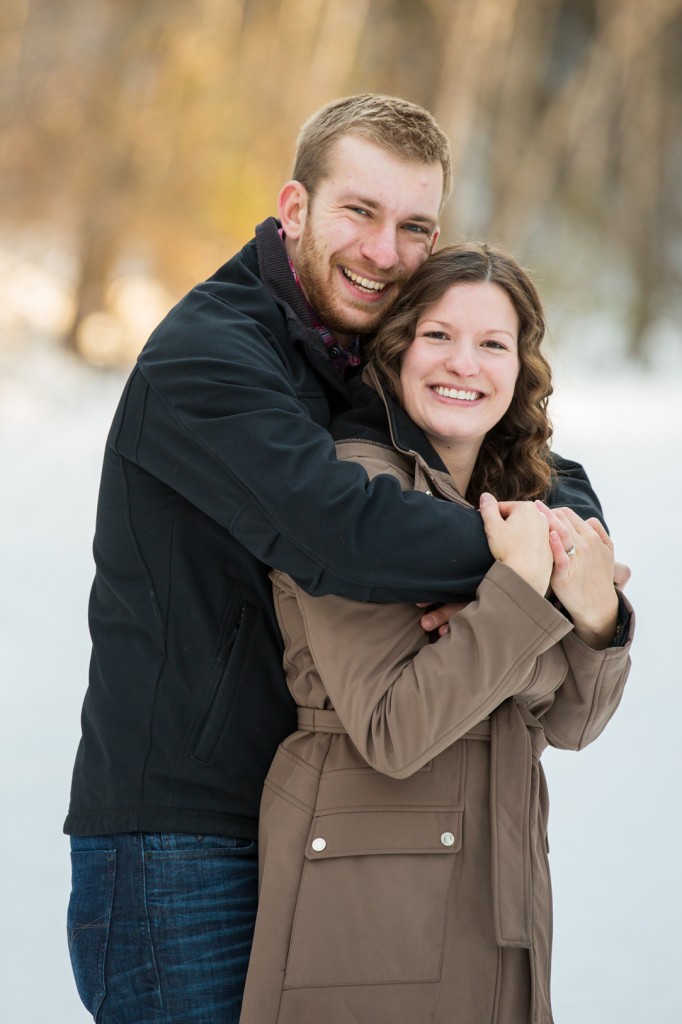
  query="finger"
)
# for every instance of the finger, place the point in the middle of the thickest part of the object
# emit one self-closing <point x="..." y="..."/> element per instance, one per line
<point x="558" y="524"/>
<point x="436" y="618"/>
<point x="489" y="508"/>
<point x="443" y="631"/>
<point x="599" y="529"/>
<point x="574" y="520"/>
<point x="567" y="518"/>
<point x="506" y="507"/>
<point x="621" y="574"/>
<point x="562" y="561"/>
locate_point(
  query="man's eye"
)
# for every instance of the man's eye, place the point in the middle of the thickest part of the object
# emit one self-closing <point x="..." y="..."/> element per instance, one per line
<point x="417" y="229"/>
<point x="359" y="209"/>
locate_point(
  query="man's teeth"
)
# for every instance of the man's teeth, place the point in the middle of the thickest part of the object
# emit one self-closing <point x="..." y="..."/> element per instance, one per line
<point x="464" y="396"/>
<point x="364" y="282"/>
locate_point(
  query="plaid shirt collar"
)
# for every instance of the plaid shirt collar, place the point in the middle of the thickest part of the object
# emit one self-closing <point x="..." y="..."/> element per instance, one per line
<point x="344" y="359"/>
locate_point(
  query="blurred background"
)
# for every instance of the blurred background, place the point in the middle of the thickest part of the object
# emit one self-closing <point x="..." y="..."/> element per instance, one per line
<point x="141" y="142"/>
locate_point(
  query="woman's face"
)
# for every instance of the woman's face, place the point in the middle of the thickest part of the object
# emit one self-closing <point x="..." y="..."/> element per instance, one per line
<point x="459" y="373"/>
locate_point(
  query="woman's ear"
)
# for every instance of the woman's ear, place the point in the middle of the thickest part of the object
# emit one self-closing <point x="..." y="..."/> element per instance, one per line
<point x="293" y="208"/>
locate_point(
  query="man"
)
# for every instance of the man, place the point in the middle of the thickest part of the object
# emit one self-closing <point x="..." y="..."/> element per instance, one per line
<point x="218" y="466"/>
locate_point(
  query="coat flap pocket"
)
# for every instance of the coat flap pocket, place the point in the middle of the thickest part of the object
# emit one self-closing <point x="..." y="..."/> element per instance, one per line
<point x="363" y="833"/>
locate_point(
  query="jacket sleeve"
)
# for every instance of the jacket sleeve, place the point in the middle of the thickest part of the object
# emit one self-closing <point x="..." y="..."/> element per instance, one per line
<point x="573" y="489"/>
<point x="588" y="697"/>
<point x="403" y="700"/>
<point x="233" y="437"/>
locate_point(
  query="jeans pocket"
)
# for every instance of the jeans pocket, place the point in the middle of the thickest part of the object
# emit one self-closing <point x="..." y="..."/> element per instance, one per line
<point x="202" y="845"/>
<point x="93" y="874"/>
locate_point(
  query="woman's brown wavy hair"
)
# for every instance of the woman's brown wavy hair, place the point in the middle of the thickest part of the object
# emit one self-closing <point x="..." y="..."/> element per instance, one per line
<point x="514" y="461"/>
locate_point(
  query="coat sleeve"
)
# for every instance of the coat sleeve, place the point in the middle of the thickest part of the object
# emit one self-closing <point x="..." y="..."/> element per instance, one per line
<point x="588" y="697"/>
<point x="401" y="699"/>
<point x="231" y="435"/>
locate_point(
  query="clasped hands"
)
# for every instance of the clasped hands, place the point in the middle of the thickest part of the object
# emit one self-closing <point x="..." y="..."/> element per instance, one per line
<point x="553" y="549"/>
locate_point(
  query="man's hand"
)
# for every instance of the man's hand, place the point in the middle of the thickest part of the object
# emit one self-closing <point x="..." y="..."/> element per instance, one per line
<point x="439" y="617"/>
<point x="621" y="574"/>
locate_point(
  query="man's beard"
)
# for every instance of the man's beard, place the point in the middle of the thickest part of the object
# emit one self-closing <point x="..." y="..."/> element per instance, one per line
<point x="315" y="274"/>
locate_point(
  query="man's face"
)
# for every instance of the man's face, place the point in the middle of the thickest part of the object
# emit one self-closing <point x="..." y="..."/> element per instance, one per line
<point x="367" y="228"/>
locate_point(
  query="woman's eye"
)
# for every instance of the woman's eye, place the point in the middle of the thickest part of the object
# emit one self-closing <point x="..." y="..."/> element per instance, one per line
<point x="494" y="344"/>
<point x="438" y="335"/>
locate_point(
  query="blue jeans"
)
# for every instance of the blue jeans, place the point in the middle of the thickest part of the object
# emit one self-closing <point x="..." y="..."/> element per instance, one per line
<point x="160" y="926"/>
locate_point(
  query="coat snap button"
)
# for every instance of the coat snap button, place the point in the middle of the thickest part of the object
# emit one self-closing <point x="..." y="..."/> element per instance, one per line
<point x="319" y="845"/>
<point x="447" y="839"/>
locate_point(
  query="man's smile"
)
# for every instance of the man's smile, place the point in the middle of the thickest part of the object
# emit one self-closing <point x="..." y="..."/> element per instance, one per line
<point x="366" y="283"/>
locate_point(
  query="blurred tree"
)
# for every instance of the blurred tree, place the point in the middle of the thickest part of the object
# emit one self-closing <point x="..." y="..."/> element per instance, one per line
<point x="151" y="136"/>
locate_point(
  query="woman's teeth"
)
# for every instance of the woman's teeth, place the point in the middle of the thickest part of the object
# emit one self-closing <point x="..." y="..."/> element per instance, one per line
<point x="464" y="396"/>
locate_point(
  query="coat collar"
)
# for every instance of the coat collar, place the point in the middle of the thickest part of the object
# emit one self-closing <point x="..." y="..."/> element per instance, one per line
<point x="375" y="417"/>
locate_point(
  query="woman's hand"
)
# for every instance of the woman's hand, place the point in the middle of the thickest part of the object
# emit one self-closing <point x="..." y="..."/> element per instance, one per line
<point x="518" y="535"/>
<point x="583" y="579"/>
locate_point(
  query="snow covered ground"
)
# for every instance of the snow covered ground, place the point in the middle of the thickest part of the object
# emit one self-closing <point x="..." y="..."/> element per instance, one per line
<point x="615" y="828"/>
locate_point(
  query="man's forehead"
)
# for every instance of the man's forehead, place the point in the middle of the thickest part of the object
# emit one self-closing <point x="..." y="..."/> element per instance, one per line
<point x="359" y="169"/>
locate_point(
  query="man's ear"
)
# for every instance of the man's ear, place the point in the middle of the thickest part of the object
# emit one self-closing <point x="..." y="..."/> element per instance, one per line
<point x="293" y="208"/>
<point x="434" y="238"/>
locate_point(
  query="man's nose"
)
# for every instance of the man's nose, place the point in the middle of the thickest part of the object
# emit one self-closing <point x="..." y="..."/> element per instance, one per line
<point x="380" y="247"/>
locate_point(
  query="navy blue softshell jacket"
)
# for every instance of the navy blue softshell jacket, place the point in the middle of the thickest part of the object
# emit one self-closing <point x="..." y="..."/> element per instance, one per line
<point x="218" y="466"/>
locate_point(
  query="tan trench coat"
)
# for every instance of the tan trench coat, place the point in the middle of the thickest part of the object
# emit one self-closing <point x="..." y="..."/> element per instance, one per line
<point x="403" y="855"/>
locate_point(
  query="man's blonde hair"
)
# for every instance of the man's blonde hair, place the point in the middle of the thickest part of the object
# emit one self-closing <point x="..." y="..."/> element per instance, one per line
<point x="405" y="129"/>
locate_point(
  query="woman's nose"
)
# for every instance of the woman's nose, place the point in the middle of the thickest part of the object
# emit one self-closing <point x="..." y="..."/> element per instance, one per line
<point x="462" y="360"/>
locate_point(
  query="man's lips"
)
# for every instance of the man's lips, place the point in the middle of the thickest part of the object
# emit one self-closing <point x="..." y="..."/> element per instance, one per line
<point x="459" y="393"/>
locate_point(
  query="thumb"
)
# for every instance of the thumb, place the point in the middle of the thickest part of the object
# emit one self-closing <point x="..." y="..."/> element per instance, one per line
<point x="489" y="507"/>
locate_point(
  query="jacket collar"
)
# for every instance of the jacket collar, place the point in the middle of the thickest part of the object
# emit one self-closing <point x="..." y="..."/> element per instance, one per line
<point x="275" y="273"/>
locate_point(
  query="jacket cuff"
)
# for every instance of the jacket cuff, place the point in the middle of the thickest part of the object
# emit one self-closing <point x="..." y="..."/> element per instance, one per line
<point x="541" y="611"/>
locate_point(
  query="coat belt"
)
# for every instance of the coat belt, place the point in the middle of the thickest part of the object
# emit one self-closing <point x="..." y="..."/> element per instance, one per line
<point x="509" y="731"/>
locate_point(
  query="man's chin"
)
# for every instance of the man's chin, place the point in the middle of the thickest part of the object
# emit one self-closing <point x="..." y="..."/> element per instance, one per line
<point x="357" y="322"/>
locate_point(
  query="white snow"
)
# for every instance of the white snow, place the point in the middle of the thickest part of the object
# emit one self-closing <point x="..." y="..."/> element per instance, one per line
<point x="615" y="826"/>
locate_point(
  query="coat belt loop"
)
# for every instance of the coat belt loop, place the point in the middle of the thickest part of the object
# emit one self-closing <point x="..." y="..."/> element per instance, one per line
<point x="319" y="720"/>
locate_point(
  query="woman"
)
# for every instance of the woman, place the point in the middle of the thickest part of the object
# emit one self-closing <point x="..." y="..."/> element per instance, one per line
<point x="403" y="853"/>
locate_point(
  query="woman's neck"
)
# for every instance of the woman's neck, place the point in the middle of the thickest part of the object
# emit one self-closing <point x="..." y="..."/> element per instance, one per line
<point x="459" y="460"/>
